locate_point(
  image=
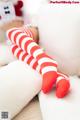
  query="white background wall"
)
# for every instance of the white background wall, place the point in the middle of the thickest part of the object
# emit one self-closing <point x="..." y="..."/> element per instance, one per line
<point x="31" y="9"/>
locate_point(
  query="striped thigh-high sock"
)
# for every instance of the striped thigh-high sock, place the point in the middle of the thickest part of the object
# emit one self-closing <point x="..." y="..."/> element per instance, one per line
<point x="25" y="57"/>
<point x="62" y="85"/>
<point x="47" y="64"/>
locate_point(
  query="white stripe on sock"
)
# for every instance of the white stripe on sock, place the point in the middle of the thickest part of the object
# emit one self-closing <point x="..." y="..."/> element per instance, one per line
<point x="38" y="68"/>
<point x="45" y="59"/>
<point x="21" y="55"/>
<point x="24" y="41"/>
<point x="32" y="62"/>
<point x="37" y="52"/>
<point x="49" y="68"/>
<point x="13" y="34"/>
<point x="32" y="44"/>
<point x="63" y="75"/>
<point x="26" y="58"/>
<point x="18" y="38"/>
<point x="59" y="78"/>
<point x="12" y="46"/>
<point x="10" y="30"/>
<point x="16" y="51"/>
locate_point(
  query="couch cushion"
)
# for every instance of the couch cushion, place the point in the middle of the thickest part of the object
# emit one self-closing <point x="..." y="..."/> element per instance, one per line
<point x="68" y="108"/>
<point x="19" y="83"/>
<point x="59" y="29"/>
<point x="30" y="112"/>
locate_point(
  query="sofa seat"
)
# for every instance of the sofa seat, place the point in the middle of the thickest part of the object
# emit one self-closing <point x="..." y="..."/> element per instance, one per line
<point x="31" y="111"/>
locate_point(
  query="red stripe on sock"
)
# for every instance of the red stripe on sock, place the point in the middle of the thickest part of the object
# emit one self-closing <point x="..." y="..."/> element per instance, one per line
<point x="24" y="56"/>
<point x="15" y="36"/>
<point x="30" y="59"/>
<point x="35" y="65"/>
<point x="48" y="64"/>
<point x="18" y="54"/>
<point x="14" y="48"/>
<point x="33" y="49"/>
<point x="42" y="55"/>
<point x="26" y="44"/>
<point x="21" y="39"/>
<point x="10" y="34"/>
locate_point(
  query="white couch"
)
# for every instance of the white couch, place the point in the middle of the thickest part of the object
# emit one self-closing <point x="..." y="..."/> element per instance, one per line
<point x="59" y="29"/>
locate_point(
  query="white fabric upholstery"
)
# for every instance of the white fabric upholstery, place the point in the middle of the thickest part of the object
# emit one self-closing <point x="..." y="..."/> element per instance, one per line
<point x="6" y="55"/>
<point x="68" y="108"/>
<point x="59" y="29"/>
<point x="31" y="8"/>
<point x="18" y="85"/>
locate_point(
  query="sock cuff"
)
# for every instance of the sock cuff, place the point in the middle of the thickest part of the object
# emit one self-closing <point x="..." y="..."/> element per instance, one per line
<point x="26" y="29"/>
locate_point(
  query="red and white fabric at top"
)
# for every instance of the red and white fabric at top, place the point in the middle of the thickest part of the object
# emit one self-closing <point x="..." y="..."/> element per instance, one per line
<point x="10" y="11"/>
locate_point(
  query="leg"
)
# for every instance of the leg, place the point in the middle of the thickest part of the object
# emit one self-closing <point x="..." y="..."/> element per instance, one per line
<point x="62" y="85"/>
<point x="24" y="56"/>
<point x="47" y="64"/>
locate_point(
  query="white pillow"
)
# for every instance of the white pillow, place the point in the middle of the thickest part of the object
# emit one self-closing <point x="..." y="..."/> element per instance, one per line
<point x="18" y="85"/>
<point x="59" y="29"/>
<point x="6" y="55"/>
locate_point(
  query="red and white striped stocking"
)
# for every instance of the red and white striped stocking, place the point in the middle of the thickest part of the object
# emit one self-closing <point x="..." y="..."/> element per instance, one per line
<point x="24" y="56"/>
<point x="47" y="64"/>
<point x="62" y="85"/>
